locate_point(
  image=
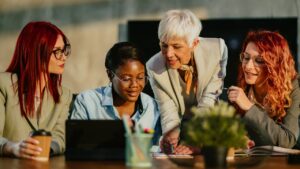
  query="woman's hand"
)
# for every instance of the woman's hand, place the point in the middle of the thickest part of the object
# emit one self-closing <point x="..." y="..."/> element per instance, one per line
<point x="184" y="149"/>
<point x="250" y="144"/>
<point x="170" y="141"/>
<point x="237" y="95"/>
<point x="27" y="148"/>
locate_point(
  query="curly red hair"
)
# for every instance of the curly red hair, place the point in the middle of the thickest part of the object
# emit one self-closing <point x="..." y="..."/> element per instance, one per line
<point x="280" y="66"/>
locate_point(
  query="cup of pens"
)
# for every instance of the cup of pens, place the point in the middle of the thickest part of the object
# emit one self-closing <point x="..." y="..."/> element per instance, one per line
<point x="138" y="145"/>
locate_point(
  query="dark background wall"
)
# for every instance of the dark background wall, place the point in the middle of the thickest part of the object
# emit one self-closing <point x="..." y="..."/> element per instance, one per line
<point x="93" y="26"/>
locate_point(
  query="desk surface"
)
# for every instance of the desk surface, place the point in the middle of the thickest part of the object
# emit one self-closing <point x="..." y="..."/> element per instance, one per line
<point x="60" y="163"/>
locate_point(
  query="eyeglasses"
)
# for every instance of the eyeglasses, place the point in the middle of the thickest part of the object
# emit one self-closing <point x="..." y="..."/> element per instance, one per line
<point x="258" y="61"/>
<point x="58" y="53"/>
<point x="142" y="80"/>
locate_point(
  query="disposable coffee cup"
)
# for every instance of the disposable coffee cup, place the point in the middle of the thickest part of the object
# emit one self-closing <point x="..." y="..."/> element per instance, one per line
<point x="44" y="137"/>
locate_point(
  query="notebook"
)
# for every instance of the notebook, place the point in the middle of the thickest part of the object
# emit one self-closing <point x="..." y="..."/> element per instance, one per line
<point x="267" y="151"/>
<point x="95" y="140"/>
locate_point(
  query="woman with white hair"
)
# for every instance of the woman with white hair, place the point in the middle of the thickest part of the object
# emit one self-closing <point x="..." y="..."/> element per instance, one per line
<point x="188" y="71"/>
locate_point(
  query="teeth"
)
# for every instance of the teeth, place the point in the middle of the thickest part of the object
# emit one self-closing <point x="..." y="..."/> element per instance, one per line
<point x="252" y="74"/>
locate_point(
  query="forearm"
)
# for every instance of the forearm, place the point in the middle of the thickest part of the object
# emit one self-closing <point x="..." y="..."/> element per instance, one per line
<point x="169" y="116"/>
<point x="265" y="131"/>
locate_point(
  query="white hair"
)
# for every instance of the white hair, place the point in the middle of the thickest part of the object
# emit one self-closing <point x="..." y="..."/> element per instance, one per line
<point x="179" y="23"/>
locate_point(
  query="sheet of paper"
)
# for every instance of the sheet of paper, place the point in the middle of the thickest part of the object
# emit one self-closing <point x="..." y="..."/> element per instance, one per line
<point x="165" y="156"/>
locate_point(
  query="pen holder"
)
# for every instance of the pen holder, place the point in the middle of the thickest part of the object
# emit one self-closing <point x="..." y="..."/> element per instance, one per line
<point x="138" y="150"/>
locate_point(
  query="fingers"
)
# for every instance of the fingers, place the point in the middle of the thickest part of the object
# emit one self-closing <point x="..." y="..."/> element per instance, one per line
<point x="250" y="144"/>
<point x="233" y="88"/>
<point x="234" y="93"/>
<point x="170" y="141"/>
<point x="31" y="141"/>
<point x="166" y="147"/>
<point x="237" y="95"/>
<point x="232" y="96"/>
<point x="31" y="144"/>
<point x="171" y="138"/>
<point x="181" y="149"/>
<point x="29" y="148"/>
<point x="27" y="156"/>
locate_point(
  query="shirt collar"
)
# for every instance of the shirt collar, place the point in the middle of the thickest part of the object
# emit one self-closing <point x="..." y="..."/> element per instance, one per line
<point x="139" y="105"/>
<point x="108" y="99"/>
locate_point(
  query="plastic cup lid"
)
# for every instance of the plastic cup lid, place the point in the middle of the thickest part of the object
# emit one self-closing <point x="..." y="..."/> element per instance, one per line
<point x="40" y="132"/>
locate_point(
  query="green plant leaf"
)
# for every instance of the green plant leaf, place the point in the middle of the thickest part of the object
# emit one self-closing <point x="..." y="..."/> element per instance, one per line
<point x="215" y="126"/>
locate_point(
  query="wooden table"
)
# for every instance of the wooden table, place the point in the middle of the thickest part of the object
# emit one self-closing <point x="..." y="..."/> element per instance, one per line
<point x="60" y="163"/>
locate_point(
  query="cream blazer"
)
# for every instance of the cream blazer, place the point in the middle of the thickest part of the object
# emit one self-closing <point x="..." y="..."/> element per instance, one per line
<point x="14" y="127"/>
<point x="211" y="60"/>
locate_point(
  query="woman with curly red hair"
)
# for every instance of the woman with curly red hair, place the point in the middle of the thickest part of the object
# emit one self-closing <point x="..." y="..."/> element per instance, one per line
<point x="268" y="95"/>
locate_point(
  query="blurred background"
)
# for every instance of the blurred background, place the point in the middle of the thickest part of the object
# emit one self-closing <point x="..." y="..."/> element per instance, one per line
<point x="93" y="26"/>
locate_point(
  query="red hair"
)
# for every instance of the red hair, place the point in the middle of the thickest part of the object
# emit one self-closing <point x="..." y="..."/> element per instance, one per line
<point x="30" y="62"/>
<point x="280" y="66"/>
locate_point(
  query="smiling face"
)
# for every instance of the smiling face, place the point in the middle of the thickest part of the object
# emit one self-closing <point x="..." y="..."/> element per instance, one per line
<point x="56" y="66"/>
<point x="177" y="52"/>
<point x="129" y="80"/>
<point x="254" y="73"/>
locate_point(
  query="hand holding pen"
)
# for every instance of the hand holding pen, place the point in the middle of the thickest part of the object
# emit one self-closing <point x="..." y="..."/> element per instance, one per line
<point x="168" y="146"/>
<point x="170" y="141"/>
<point x="237" y="95"/>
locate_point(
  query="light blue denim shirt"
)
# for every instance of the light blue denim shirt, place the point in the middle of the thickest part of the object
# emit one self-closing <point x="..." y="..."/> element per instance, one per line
<point x="98" y="104"/>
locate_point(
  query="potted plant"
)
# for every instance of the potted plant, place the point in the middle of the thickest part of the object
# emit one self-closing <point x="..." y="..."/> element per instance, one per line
<point x="214" y="130"/>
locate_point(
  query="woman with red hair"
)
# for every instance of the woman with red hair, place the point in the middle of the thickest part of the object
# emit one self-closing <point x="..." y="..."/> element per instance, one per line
<point x="31" y="95"/>
<point x="268" y="95"/>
